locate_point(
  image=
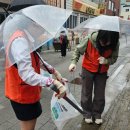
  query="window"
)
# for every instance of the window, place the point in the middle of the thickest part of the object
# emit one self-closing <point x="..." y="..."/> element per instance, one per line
<point x="53" y="2"/>
<point x="127" y="10"/>
<point x="71" y="22"/>
<point x="112" y="7"/>
<point x="81" y="19"/>
<point x="109" y="5"/>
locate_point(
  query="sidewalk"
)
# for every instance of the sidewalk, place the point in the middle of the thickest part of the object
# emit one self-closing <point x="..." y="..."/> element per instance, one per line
<point x="117" y="114"/>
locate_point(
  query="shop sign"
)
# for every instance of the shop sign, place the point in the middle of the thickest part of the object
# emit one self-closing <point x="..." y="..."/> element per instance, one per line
<point x="102" y="7"/>
<point x="83" y="7"/>
<point x="90" y="10"/>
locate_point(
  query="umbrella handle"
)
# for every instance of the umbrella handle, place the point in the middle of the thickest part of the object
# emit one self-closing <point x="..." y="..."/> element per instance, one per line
<point x="43" y="62"/>
<point x="54" y="88"/>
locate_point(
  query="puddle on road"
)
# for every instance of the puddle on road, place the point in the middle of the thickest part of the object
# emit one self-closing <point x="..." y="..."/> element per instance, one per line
<point x="85" y="126"/>
<point x="76" y="81"/>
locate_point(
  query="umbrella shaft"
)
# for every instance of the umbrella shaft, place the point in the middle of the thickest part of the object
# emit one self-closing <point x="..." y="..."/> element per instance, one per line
<point x="43" y="62"/>
<point x="74" y="105"/>
<point x="54" y="88"/>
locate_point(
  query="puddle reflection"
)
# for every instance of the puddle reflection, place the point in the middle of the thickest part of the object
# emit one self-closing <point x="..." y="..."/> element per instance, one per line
<point x="77" y="81"/>
<point x="85" y="126"/>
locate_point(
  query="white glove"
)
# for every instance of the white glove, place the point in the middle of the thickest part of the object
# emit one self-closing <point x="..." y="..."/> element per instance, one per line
<point x="61" y="88"/>
<point x="72" y="67"/>
<point x="102" y="60"/>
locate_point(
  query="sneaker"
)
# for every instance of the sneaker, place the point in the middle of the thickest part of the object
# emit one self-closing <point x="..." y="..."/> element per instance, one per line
<point x="88" y="120"/>
<point x="98" y="121"/>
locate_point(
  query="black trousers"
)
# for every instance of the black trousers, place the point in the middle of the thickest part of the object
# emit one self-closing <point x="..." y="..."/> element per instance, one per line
<point x="93" y="107"/>
<point x="63" y="49"/>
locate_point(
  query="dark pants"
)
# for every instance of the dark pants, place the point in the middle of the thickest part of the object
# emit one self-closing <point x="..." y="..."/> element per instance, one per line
<point x="93" y="107"/>
<point x="63" y="49"/>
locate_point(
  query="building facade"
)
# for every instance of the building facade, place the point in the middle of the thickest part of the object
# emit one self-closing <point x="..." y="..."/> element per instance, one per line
<point x="82" y="10"/>
<point x="125" y="9"/>
<point x="113" y="7"/>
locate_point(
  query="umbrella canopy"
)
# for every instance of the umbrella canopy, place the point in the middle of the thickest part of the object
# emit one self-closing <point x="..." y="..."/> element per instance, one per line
<point x="38" y="27"/>
<point x="104" y="22"/>
<point x="16" y="5"/>
<point x="3" y="5"/>
<point x="62" y="30"/>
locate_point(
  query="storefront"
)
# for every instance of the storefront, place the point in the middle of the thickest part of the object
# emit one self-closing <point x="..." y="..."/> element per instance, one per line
<point x="81" y="12"/>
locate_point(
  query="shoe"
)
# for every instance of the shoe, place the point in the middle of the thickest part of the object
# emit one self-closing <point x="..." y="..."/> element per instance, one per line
<point x="88" y="120"/>
<point x="98" y="121"/>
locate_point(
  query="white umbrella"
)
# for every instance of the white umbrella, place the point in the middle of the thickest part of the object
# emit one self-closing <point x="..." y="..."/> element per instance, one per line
<point x="105" y="22"/>
<point x="62" y="30"/>
<point x="40" y="23"/>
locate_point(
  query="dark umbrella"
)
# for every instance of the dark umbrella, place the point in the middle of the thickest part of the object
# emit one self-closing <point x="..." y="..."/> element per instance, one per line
<point x="3" y="5"/>
<point x="16" y="5"/>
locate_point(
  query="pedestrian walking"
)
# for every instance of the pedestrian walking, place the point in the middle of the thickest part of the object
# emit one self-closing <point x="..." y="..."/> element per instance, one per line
<point x="63" y="43"/>
<point x="100" y="49"/>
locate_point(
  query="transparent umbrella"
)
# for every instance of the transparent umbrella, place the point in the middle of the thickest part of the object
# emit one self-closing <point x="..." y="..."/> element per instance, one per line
<point x="61" y="30"/>
<point x="104" y="22"/>
<point x="40" y="23"/>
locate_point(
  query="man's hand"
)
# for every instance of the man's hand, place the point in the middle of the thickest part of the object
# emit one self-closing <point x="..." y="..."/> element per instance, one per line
<point x="72" y="67"/>
<point x="102" y="60"/>
<point x="61" y="88"/>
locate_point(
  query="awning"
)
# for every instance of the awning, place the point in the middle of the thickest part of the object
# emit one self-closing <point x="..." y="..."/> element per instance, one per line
<point x="86" y="8"/>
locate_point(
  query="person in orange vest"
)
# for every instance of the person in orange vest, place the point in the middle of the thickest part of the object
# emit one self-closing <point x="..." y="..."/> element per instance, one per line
<point x="23" y="81"/>
<point x="99" y="50"/>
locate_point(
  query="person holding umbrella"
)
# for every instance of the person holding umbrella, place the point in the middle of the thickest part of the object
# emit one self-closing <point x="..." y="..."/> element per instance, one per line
<point x="100" y="49"/>
<point x="22" y="34"/>
<point x="63" y="43"/>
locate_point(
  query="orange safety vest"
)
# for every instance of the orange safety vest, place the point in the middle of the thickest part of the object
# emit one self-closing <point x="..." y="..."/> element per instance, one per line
<point x="90" y="61"/>
<point x="15" y="88"/>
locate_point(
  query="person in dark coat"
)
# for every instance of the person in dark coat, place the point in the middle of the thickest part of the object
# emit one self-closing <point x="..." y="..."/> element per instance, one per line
<point x="63" y="42"/>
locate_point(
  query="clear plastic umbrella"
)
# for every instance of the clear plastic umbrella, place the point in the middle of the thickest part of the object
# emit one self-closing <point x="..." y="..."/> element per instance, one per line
<point x="39" y="23"/>
<point x="104" y="22"/>
<point x="62" y="30"/>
